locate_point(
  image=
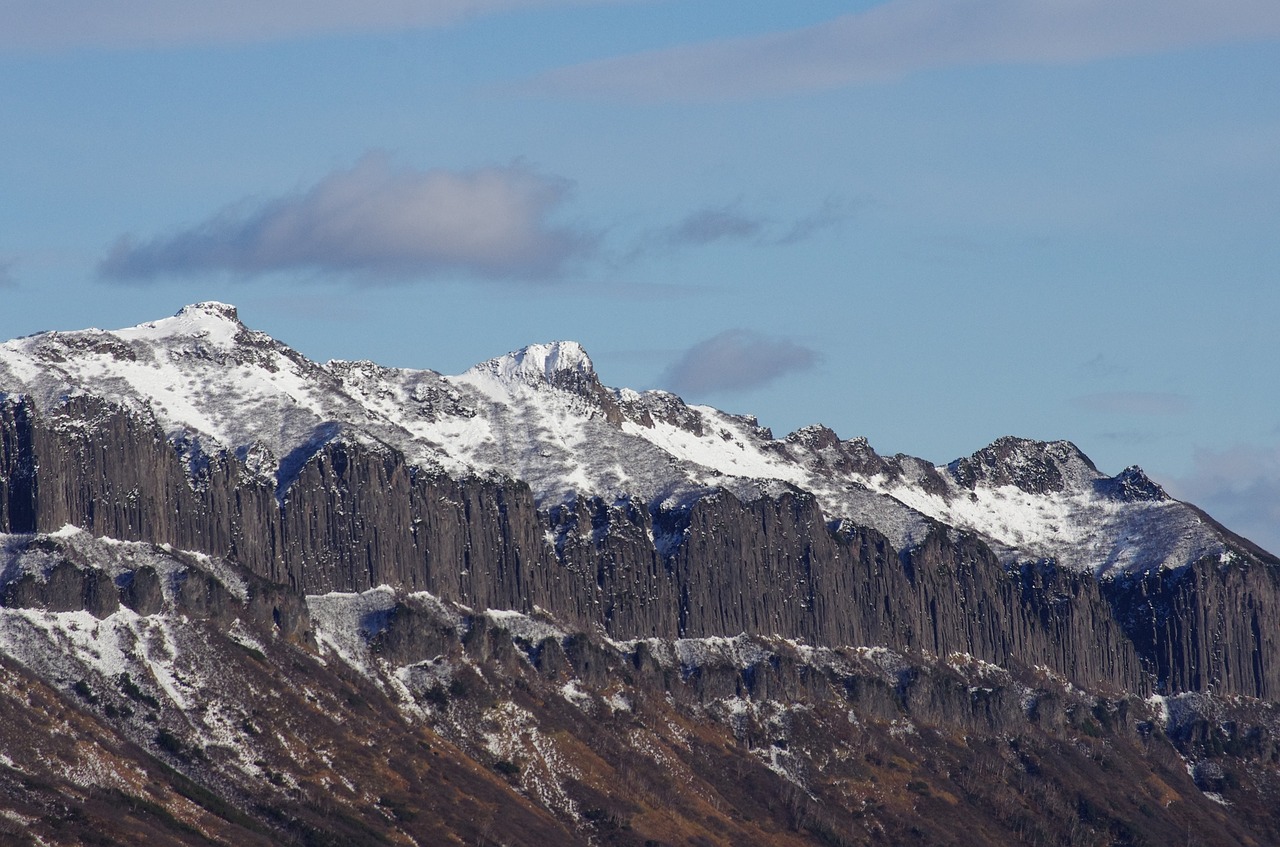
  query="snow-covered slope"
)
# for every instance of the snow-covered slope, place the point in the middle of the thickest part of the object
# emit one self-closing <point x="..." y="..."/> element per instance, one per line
<point x="541" y="415"/>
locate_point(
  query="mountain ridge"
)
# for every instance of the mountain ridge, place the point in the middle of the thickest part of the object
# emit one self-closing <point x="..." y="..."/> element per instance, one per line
<point x="250" y="598"/>
<point x="590" y="440"/>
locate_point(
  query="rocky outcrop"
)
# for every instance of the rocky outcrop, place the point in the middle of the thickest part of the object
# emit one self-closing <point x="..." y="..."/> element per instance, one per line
<point x="59" y="576"/>
<point x="64" y="588"/>
<point x="1208" y="627"/>
<point x="1032" y="466"/>
<point x="356" y="516"/>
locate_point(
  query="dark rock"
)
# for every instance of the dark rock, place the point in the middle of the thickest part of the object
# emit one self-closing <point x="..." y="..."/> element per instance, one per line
<point x="1036" y="467"/>
<point x="1131" y="485"/>
<point x="356" y="517"/>
<point x="141" y="591"/>
<point x="412" y="635"/>
<point x="200" y="595"/>
<point x="63" y="588"/>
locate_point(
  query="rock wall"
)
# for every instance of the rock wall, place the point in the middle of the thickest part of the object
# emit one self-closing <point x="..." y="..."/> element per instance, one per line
<point x="17" y="467"/>
<point x="1208" y="627"/>
<point x="356" y="517"/>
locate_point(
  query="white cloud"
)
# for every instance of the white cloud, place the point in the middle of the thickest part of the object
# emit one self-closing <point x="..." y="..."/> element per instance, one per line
<point x="1240" y="487"/>
<point x="735" y="360"/>
<point x="901" y="37"/>
<point x="376" y="220"/>
<point x="36" y="25"/>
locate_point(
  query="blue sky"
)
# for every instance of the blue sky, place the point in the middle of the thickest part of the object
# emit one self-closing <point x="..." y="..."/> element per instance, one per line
<point x="930" y="223"/>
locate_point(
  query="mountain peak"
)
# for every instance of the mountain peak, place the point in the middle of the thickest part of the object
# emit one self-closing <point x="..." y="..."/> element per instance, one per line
<point x="209" y="320"/>
<point x="555" y="362"/>
<point x="1132" y="484"/>
<point x="1037" y="467"/>
<point x="209" y="308"/>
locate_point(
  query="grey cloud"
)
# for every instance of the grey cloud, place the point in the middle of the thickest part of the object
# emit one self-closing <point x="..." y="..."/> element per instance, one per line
<point x="1240" y="486"/>
<point x="7" y="279"/>
<point x="709" y="225"/>
<point x="901" y="37"/>
<point x="37" y="25"/>
<point x="735" y="360"/>
<point x="716" y="224"/>
<point x="1134" y="403"/>
<point x="832" y="213"/>
<point x="376" y="220"/>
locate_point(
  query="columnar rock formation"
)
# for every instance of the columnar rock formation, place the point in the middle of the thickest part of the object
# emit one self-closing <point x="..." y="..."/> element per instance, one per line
<point x="356" y="516"/>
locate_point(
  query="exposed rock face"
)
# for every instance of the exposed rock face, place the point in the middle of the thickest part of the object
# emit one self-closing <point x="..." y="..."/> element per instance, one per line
<point x="1210" y="627"/>
<point x="833" y="457"/>
<point x="17" y="467"/>
<point x="355" y="517"/>
<point x="64" y="588"/>
<point x="252" y="599"/>
<point x="1035" y="468"/>
<point x="217" y="708"/>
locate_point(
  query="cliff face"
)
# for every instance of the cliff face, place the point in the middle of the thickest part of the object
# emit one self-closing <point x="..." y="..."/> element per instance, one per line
<point x="355" y="517"/>
<point x="250" y="598"/>
<point x="211" y="706"/>
<point x="1208" y="627"/>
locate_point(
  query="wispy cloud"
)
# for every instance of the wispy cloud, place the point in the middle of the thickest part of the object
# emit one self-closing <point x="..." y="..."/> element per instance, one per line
<point x="1240" y="486"/>
<point x="715" y="224"/>
<point x="735" y="360"/>
<point x="833" y="212"/>
<point x="1146" y="403"/>
<point x="38" y="25"/>
<point x="901" y="37"/>
<point x="7" y="279"/>
<point x="730" y="223"/>
<point x="376" y="221"/>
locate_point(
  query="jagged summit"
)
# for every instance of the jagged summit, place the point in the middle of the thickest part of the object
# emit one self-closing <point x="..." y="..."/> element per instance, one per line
<point x="814" y="436"/>
<point x="1037" y="467"/>
<point x="541" y="415"/>
<point x="1132" y="483"/>
<point x="540" y="362"/>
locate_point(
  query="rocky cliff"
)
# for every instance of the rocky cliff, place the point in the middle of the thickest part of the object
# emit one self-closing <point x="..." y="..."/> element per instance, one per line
<point x="247" y="598"/>
<point x="355" y="517"/>
<point x="204" y="704"/>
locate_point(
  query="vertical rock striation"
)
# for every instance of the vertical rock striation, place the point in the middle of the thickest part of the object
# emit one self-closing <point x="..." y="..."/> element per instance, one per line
<point x="356" y="516"/>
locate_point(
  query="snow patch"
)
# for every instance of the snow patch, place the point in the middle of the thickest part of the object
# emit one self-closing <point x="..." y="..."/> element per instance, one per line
<point x="344" y="621"/>
<point x="576" y="695"/>
<point x="533" y="629"/>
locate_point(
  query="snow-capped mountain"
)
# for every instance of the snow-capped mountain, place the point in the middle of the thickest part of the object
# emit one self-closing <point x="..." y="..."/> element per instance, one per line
<point x="542" y="416"/>
<point x="247" y="598"/>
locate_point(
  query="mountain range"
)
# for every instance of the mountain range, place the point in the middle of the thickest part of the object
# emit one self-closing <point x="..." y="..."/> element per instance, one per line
<point x="246" y="597"/>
